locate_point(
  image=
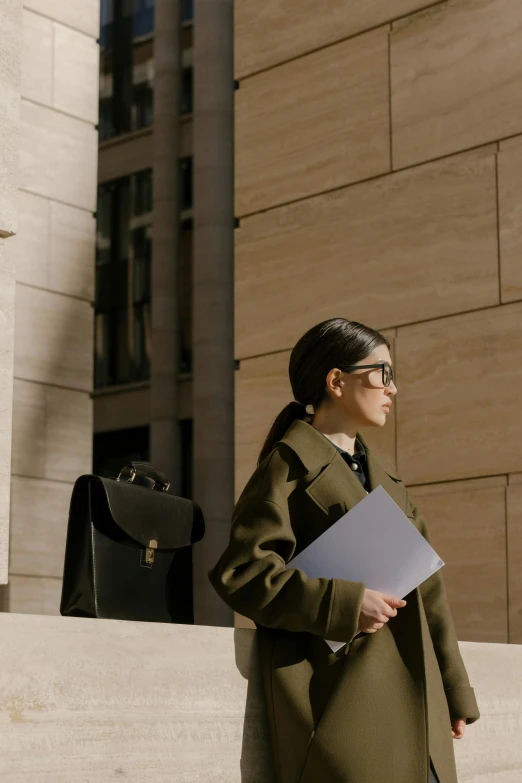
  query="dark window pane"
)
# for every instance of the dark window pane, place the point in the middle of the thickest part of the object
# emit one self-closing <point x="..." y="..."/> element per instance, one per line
<point x="142" y="106"/>
<point x="186" y="91"/>
<point x="101" y="351"/>
<point x="187" y="450"/>
<point x="142" y="192"/>
<point x="123" y="269"/>
<point x="122" y="344"/>
<point x="187" y="10"/>
<point x="103" y="224"/>
<point x="105" y="125"/>
<point x="143" y="17"/>
<point x="113" y="450"/>
<point x="142" y="244"/>
<point x="142" y="337"/>
<point x="185" y="297"/>
<point x="106" y="22"/>
<point x="186" y="183"/>
<point x="126" y="67"/>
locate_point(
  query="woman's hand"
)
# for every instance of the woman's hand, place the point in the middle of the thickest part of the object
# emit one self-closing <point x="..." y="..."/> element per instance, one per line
<point x="376" y="609"/>
<point x="457" y="728"/>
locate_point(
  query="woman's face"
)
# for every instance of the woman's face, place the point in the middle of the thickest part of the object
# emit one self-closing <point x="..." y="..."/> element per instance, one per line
<point x="360" y="394"/>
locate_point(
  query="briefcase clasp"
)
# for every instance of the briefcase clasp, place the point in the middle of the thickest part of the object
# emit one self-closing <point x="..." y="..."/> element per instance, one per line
<point x="149" y="552"/>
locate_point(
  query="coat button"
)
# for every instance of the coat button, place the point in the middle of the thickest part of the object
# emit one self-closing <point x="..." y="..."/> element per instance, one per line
<point x="355" y="466"/>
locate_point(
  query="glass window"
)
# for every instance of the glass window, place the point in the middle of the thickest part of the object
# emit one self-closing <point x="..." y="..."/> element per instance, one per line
<point x="187" y="449"/>
<point x="185" y="296"/>
<point x="143" y="192"/>
<point x="186" y="91"/>
<point x="143" y="20"/>
<point x="187" y="10"/>
<point x="113" y="450"/>
<point x="123" y="269"/>
<point x="126" y="66"/>
<point x="106" y="22"/>
<point x="185" y="183"/>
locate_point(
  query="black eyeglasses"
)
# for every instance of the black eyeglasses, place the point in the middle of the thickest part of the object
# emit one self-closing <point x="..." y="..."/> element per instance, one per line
<point x="387" y="370"/>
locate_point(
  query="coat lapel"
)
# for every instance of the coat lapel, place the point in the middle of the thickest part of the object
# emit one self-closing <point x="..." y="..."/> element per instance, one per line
<point x="335" y="488"/>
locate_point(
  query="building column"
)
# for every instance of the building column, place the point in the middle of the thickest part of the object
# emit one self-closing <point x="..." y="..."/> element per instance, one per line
<point x="213" y="291"/>
<point x="164" y="431"/>
<point x="10" y="67"/>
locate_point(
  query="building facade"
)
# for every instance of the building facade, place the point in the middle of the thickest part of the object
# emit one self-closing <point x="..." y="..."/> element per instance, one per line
<point x="47" y="217"/>
<point x="100" y="234"/>
<point x="378" y="158"/>
<point x="164" y="373"/>
<point x="377" y="178"/>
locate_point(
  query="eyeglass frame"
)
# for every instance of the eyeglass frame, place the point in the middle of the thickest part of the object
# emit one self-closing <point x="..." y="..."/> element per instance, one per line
<point x="382" y="365"/>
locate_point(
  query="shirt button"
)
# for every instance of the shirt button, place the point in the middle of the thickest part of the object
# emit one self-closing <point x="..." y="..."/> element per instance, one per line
<point x="355" y="466"/>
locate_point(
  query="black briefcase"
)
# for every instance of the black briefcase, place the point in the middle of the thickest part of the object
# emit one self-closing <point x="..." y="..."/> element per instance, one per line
<point x="128" y="553"/>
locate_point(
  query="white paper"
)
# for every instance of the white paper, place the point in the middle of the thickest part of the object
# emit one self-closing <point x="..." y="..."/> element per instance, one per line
<point x="374" y="543"/>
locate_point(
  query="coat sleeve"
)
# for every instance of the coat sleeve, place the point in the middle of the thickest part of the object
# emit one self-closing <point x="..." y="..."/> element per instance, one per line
<point x="459" y="693"/>
<point x="252" y="578"/>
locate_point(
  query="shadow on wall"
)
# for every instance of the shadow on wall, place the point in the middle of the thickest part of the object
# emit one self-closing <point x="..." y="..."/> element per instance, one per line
<point x="52" y="422"/>
<point x="256" y="759"/>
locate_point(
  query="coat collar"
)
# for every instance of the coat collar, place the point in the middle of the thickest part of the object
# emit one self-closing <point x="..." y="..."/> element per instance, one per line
<point x="335" y="489"/>
<point x="315" y="451"/>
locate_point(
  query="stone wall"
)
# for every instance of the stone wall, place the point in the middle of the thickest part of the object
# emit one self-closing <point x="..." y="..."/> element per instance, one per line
<point x="53" y="255"/>
<point x="11" y="26"/>
<point x="378" y="178"/>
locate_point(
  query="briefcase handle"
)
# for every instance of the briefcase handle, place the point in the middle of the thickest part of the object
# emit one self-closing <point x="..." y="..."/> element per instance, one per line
<point x="147" y="471"/>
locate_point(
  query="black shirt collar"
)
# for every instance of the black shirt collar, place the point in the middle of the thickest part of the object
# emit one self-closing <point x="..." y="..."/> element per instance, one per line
<point x="360" y="451"/>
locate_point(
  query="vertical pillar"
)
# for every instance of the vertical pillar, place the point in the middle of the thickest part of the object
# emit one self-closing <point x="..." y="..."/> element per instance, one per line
<point x="213" y="286"/>
<point x="164" y="431"/>
<point x="10" y="68"/>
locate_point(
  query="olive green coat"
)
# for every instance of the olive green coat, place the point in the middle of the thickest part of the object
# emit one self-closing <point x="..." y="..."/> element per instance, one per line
<point x="374" y="711"/>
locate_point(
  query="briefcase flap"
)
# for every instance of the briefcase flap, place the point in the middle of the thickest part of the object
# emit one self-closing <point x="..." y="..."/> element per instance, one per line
<point x="146" y="514"/>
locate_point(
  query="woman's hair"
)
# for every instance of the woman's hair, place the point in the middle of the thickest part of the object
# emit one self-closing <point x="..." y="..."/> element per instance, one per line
<point x="332" y="343"/>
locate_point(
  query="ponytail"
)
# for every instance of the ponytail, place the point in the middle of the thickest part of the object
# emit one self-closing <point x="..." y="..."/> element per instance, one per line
<point x="294" y="410"/>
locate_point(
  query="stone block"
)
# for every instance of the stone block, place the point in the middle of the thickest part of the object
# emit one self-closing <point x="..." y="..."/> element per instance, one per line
<point x="510" y="220"/>
<point x="408" y="247"/>
<point x="313" y="124"/>
<point x="52" y="432"/>
<point x="83" y="704"/>
<point x="10" y="65"/>
<point x="467" y="525"/>
<point x="75" y="73"/>
<point x="55" y="247"/>
<point x="459" y="413"/>
<point x="37" y="58"/>
<point x="455" y="75"/>
<point x="83" y="16"/>
<point x="39" y="514"/>
<point x="273" y="32"/>
<point x="34" y="595"/>
<point x="58" y="155"/>
<point x="53" y="339"/>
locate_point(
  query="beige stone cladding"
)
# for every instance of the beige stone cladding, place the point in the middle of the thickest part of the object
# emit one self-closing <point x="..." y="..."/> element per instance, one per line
<point x="10" y="68"/>
<point x="53" y="257"/>
<point x="421" y="238"/>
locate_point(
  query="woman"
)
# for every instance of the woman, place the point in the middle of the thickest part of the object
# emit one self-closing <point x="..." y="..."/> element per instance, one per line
<point x="385" y="707"/>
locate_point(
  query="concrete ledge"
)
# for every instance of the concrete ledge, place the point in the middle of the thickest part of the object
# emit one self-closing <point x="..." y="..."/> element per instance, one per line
<point x="103" y="700"/>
